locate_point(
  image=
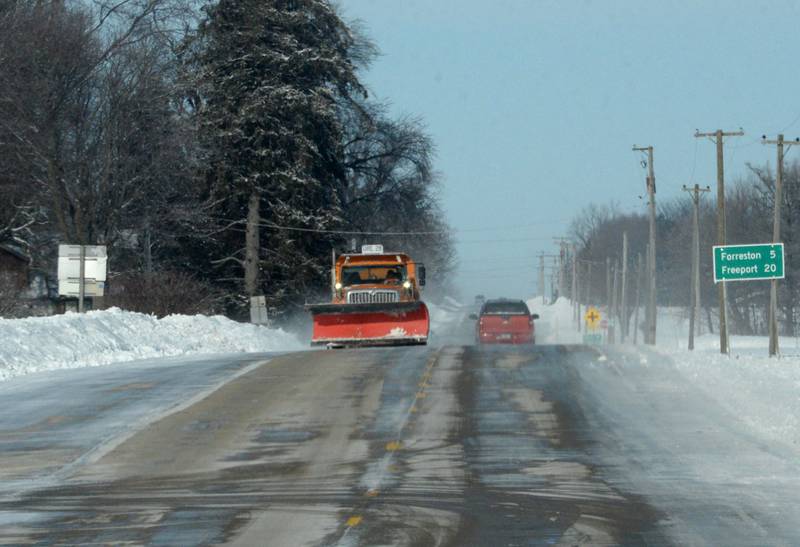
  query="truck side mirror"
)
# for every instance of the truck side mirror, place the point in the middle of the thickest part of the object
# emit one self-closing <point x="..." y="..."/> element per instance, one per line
<point x="421" y="275"/>
<point x="535" y="316"/>
<point x="473" y="316"/>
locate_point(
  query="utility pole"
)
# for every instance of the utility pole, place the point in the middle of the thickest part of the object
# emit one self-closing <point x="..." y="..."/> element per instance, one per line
<point x="717" y="137"/>
<point x="608" y="288"/>
<point x="541" y="277"/>
<point x="639" y="272"/>
<point x="574" y="290"/>
<point x="646" y="309"/>
<point x="776" y="238"/>
<point x="589" y="284"/>
<point x="562" y="264"/>
<point x="652" y="312"/>
<point x="694" y="293"/>
<point x="579" y="293"/>
<point x="614" y="317"/>
<point x="623" y="334"/>
<point x="82" y="280"/>
<point x="542" y="280"/>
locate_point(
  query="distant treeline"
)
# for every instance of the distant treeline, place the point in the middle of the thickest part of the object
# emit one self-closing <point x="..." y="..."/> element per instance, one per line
<point x="749" y="212"/>
<point x="226" y="149"/>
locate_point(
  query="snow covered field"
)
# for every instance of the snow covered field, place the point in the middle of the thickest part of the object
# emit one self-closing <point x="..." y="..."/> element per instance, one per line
<point x="763" y="392"/>
<point x="112" y="336"/>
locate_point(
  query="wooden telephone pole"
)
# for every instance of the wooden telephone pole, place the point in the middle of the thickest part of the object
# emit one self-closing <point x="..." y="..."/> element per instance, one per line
<point x="541" y="276"/>
<point x="623" y="331"/>
<point x="776" y="238"/>
<point x="717" y="138"/>
<point x="542" y="269"/>
<point x="613" y="316"/>
<point x="588" y="284"/>
<point x="639" y="271"/>
<point x="694" y="299"/>
<point x="576" y="306"/>
<point x="563" y="244"/>
<point x="651" y="310"/>
<point x="576" y="286"/>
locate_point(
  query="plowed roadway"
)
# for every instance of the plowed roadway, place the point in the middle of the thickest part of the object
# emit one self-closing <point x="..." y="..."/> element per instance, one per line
<point x="447" y="445"/>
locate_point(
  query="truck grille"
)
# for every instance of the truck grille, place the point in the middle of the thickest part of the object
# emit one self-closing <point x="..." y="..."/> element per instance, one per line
<point x="372" y="297"/>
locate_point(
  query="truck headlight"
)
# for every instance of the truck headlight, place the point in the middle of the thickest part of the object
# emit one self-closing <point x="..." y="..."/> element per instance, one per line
<point x="338" y="286"/>
<point x="407" y="284"/>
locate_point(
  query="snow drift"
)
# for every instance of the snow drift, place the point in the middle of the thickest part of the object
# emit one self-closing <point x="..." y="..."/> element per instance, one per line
<point x="761" y="392"/>
<point x="110" y="336"/>
<point x="555" y="325"/>
<point x="444" y="314"/>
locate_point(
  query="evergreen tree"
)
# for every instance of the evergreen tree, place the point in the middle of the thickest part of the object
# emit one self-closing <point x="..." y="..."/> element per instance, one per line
<point x="270" y="74"/>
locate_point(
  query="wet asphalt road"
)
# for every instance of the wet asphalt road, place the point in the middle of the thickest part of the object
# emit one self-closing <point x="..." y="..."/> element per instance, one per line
<point x="455" y="445"/>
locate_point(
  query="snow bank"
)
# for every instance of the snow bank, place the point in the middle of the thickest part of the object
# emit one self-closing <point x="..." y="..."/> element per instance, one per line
<point x="555" y="325"/>
<point x="110" y="336"/>
<point x="762" y="393"/>
<point x="444" y="314"/>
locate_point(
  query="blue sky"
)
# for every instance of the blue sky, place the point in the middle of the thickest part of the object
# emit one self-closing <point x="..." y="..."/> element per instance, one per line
<point x="534" y="106"/>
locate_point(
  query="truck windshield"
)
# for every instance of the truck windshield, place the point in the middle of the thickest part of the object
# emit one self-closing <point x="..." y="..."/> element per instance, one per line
<point x="371" y="275"/>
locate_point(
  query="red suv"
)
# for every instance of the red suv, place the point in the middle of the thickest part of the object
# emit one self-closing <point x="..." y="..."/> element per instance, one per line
<point x="504" y="321"/>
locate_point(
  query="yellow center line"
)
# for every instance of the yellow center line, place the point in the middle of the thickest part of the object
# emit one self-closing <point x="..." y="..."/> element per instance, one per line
<point x="394" y="446"/>
<point x="354" y="521"/>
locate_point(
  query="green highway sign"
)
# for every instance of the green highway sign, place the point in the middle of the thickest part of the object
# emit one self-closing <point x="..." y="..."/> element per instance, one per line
<point x="748" y="262"/>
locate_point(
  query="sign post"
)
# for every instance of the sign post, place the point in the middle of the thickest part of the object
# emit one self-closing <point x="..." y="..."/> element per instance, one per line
<point x="748" y="262"/>
<point x="593" y="321"/>
<point x="82" y="278"/>
<point x="761" y="261"/>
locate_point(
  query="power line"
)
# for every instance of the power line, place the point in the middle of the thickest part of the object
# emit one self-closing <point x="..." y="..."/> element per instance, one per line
<point x="694" y="162"/>
<point x="512" y="240"/>
<point x="340" y="232"/>
<point x="274" y="226"/>
<point x="794" y="121"/>
<point x="520" y="269"/>
<point x="489" y="259"/>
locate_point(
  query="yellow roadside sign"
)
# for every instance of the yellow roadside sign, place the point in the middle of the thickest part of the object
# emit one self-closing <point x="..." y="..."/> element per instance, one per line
<point x="592" y="317"/>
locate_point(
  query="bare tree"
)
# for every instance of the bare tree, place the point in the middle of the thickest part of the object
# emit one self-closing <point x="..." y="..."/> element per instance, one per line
<point x="85" y="118"/>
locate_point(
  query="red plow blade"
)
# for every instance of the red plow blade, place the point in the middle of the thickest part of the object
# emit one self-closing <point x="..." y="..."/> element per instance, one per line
<point x="402" y="323"/>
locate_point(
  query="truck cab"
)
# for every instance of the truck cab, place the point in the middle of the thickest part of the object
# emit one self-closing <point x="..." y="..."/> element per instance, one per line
<point x="377" y="278"/>
<point x="375" y="301"/>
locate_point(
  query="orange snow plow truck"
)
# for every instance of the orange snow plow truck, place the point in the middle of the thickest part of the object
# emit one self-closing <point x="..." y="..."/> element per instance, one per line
<point x="375" y="302"/>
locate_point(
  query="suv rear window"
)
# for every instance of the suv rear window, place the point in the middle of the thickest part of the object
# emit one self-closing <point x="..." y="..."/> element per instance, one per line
<point x="505" y="308"/>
